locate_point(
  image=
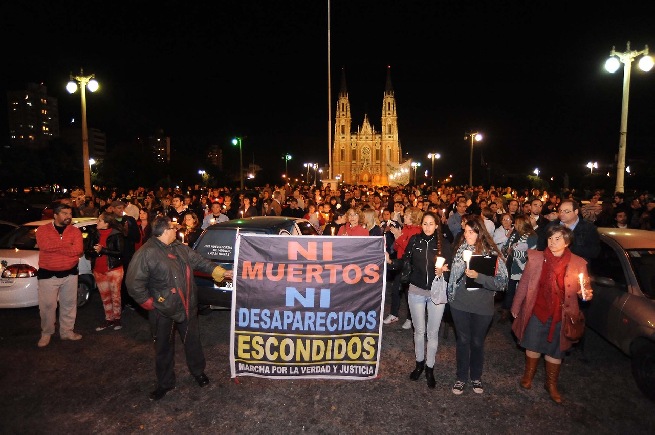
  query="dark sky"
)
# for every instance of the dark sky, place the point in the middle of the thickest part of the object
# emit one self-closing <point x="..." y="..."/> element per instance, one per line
<point x="528" y="74"/>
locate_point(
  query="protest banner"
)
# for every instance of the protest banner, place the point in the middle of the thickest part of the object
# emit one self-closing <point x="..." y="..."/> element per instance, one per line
<point x="307" y="307"/>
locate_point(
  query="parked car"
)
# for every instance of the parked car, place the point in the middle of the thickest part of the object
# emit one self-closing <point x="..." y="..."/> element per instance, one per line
<point x="18" y="211"/>
<point x="217" y="242"/>
<point x="623" y="306"/>
<point x="6" y="227"/>
<point x="19" y="262"/>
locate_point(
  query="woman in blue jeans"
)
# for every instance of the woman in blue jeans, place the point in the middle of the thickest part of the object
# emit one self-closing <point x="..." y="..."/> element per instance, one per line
<point x="473" y="309"/>
<point x="422" y="252"/>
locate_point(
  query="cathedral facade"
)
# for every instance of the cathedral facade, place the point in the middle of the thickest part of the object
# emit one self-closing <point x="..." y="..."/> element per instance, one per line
<point x="367" y="156"/>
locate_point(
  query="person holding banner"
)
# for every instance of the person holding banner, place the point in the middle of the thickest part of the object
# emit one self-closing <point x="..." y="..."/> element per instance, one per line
<point x="421" y="254"/>
<point x="160" y="279"/>
<point x="471" y="299"/>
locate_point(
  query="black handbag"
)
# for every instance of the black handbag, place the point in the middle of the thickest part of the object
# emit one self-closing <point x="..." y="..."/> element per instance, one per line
<point x="406" y="271"/>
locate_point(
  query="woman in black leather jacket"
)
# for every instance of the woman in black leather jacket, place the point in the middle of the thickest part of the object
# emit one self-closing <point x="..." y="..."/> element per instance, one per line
<point x="421" y="254"/>
<point x="105" y="248"/>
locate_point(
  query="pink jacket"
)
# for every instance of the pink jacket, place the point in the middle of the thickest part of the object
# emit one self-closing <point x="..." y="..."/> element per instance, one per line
<point x="526" y="292"/>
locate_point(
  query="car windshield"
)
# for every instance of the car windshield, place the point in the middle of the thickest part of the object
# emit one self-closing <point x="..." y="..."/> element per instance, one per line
<point x="643" y="263"/>
<point x="23" y="237"/>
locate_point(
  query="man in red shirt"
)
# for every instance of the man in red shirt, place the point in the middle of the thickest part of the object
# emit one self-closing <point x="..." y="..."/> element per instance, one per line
<point x="60" y="248"/>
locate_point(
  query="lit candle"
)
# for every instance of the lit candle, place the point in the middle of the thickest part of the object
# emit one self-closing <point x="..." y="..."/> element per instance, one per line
<point x="174" y="220"/>
<point x="332" y="230"/>
<point x="212" y="221"/>
<point x="584" y="296"/>
<point x="182" y="236"/>
<point x="466" y="256"/>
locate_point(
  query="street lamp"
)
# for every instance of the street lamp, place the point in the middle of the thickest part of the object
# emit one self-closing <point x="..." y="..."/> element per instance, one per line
<point x="433" y="156"/>
<point x="90" y="83"/>
<point x="612" y="65"/>
<point x="474" y="137"/>
<point x="237" y="141"/>
<point x="414" y="166"/>
<point x="286" y="159"/>
<point x="592" y="166"/>
<point x="308" y="166"/>
<point x="536" y="172"/>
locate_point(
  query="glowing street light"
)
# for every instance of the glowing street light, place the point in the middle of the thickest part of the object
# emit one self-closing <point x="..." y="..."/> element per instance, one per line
<point x="286" y="159"/>
<point x="592" y="166"/>
<point x="414" y="166"/>
<point x="474" y="137"/>
<point x="433" y="156"/>
<point x="309" y="166"/>
<point x="536" y="171"/>
<point x="84" y="83"/>
<point x="237" y="141"/>
<point x="612" y="65"/>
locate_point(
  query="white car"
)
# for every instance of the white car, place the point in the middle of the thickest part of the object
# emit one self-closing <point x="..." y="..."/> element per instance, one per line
<point x="19" y="262"/>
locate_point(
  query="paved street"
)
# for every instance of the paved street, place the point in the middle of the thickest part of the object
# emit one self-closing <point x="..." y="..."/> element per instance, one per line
<point x="100" y="385"/>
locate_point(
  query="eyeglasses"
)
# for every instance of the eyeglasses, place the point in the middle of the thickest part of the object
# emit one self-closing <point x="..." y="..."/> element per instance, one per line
<point x="566" y="211"/>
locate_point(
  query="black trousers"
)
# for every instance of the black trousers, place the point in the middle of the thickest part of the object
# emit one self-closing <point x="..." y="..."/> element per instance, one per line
<point x="163" y="331"/>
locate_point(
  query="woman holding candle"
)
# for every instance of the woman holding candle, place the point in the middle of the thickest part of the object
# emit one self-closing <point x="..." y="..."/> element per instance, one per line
<point x="473" y="309"/>
<point x="190" y="229"/>
<point x="354" y="224"/>
<point x="422" y="252"/>
<point x="550" y="285"/>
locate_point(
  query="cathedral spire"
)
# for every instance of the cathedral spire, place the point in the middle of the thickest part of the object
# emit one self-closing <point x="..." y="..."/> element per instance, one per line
<point x="344" y="90"/>
<point x="388" y="89"/>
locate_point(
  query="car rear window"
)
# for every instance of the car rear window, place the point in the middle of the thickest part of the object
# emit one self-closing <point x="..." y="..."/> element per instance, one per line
<point x="219" y="244"/>
<point x="23" y="237"/>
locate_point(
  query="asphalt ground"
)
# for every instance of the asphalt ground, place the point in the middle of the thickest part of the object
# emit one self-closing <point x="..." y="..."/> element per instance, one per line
<point x="100" y="385"/>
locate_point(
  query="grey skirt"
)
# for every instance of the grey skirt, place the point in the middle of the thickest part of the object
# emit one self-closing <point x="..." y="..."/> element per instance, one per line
<point x="535" y="338"/>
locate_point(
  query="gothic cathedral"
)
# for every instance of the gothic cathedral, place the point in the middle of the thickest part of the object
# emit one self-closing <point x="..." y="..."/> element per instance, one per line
<point x="366" y="157"/>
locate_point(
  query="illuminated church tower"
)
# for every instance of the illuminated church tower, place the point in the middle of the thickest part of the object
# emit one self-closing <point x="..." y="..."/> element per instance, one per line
<point x="366" y="157"/>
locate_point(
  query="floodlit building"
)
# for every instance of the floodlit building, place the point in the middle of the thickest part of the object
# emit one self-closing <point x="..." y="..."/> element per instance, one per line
<point x="367" y="156"/>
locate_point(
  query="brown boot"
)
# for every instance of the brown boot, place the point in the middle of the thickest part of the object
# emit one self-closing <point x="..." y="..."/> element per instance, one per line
<point x="530" y="370"/>
<point x="552" y="374"/>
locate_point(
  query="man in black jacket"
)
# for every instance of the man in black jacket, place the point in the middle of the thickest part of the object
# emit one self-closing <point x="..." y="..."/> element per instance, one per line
<point x="132" y="237"/>
<point x="161" y="281"/>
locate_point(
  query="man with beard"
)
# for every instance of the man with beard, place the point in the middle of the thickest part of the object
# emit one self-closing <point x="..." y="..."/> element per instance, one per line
<point x="60" y="248"/>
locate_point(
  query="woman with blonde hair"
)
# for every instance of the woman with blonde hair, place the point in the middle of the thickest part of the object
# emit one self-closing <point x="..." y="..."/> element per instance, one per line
<point x="354" y="224"/>
<point x="371" y="222"/>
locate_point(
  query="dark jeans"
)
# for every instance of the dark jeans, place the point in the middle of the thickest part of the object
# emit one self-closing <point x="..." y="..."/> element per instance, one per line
<point x="471" y="330"/>
<point x="163" y="330"/>
<point x="396" y="288"/>
<point x="509" y="294"/>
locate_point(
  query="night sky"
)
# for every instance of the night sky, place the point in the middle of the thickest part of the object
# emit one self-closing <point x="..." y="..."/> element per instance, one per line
<point x="527" y="74"/>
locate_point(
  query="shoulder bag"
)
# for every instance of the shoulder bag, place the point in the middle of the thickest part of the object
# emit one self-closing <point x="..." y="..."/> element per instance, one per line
<point x="573" y="326"/>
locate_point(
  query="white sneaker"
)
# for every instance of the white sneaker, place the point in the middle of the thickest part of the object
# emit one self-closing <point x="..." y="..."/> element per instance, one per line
<point x="44" y="340"/>
<point x="390" y="319"/>
<point x="407" y="324"/>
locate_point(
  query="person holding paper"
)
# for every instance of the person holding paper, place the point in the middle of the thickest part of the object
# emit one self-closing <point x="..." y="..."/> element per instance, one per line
<point x="422" y="252"/>
<point x="551" y="283"/>
<point x="471" y="297"/>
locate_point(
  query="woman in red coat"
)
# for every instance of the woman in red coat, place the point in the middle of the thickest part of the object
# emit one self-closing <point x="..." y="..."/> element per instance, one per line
<point x="549" y="286"/>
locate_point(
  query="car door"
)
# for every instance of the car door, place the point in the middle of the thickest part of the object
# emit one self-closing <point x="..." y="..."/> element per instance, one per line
<point x="604" y="313"/>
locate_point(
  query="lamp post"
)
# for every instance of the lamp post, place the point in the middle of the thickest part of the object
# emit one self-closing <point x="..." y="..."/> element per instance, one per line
<point x="308" y="166"/>
<point x="592" y="166"/>
<point x="536" y="172"/>
<point x="286" y="159"/>
<point x="612" y="65"/>
<point x="474" y="137"/>
<point x="84" y="83"/>
<point x="415" y="166"/>
<point x="433" y="156"/>
<point x="237" y="141"/>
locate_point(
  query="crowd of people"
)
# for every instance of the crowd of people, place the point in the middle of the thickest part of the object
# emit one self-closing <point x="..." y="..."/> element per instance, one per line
<point x="531" y="237"/>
